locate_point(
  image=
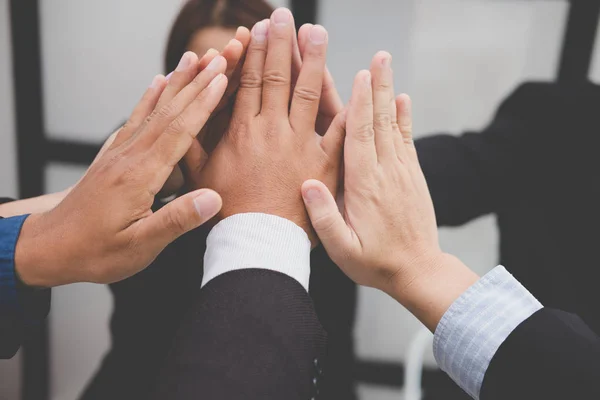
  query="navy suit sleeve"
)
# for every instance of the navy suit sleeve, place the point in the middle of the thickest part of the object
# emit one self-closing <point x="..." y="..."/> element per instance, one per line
<point x="20" y="306"/>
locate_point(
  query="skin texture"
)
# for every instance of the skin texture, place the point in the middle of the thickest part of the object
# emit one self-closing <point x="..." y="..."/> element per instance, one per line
<point x="386" y="235"/>
<point x="105" y="230"/>
<point x="271" y="146"/>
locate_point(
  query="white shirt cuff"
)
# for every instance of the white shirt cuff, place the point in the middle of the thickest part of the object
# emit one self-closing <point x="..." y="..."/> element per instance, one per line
<point x="477" y="323"/>
<point x="254" y="240"/>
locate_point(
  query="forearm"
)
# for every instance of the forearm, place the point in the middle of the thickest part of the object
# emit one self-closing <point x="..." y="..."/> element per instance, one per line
<point x="33" y="205"/>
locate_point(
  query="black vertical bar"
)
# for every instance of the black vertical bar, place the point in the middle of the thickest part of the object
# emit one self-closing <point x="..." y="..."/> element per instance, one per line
<point x="578" y="44"/>
<point x="305" y="12"/>
<point x="27" y="74"/>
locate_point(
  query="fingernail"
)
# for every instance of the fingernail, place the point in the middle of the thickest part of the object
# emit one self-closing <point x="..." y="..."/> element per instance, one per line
<point x="260" y="31"/>
<point x="318" y="35"/>
<point x="312" y="195"/>
<point x="386" y="61"/>
<point x="215" y="63"/>
<point x="207" y="204"/>
<point x="185" y="62"/>
<point x="169" y="76"/>
<point x="156" y="81"/>
<point x="282" y="16"/>
<point x="216" y="80"/>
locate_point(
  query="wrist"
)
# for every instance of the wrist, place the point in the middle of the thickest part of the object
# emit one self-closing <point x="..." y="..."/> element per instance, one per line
<point x="35" y="254"/>
<point x="441" y="279"/>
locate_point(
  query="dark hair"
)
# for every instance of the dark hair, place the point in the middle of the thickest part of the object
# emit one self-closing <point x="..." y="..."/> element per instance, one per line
<point x="198" y="14"/>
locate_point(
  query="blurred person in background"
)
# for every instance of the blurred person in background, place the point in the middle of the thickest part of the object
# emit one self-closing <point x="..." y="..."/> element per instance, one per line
<point x="149" y="307"/>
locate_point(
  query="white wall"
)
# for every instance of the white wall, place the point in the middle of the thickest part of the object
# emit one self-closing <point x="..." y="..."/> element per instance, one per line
<point x="457" y="58"/>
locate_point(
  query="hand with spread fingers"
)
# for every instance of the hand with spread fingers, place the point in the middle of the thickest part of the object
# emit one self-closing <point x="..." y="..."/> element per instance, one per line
<point x="105" y="230"/>
<point x="386" y="237"/>
<point x="271" y="146"/>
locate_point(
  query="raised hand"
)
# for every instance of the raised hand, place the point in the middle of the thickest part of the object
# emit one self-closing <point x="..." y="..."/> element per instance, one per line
<point x="271" y="146"/>
<point x="105" y="230"/>
<point x="386" y="237"/>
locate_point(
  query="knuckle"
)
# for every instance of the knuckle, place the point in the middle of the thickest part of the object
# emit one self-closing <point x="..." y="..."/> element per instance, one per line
<point x="178" y="125"/>
<point x="307" y="94"/>
<point x="324" y="223"/>
<point x="167" y="112"/>
<point x="382" y="120"/>
<point x="251" y="80"/>
<point x="365" y="132"/>
<point x="176" y="221"/>
<point x="406" y="129"/>
<point x="275" y="77"/>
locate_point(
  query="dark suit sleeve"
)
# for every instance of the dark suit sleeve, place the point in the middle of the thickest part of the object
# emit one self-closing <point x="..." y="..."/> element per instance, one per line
<point x="477" y="173"/>
<point x="551" y="355"/>
<point x="251" y="334"/>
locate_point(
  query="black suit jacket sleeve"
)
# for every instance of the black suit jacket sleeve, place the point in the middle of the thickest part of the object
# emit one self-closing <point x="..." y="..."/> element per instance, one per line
<point x="474" y="174"/>
<point x="551" y="355"/>
<point x="251" y="334"/>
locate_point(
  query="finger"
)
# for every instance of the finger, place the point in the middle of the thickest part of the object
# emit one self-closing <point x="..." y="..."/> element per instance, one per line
<point x="307" y="92"/>
<point x="249" y="97"/>
<point x="327" y="220"/>
<point x="359" y="149"/>
<point x="297" y="53"/>
<point x="168" y="119"/>
<point x="207" y="58"/>
<point x="333" y="141"/>
<point x="176" y="218"/>
<point x="141" y="111"/>
<point x="404" y="135"/>
<point x="277" y="75"/>
<point x="331" y="103"/>
<point x="383" y="104"/>
<point x="176" y="140"/>
<point x="186" y="71"/>
<point x="236" y="61"/>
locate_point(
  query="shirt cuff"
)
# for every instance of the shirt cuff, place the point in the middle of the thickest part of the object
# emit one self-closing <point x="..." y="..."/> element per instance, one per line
<point x="29" y="305"/>
<point x="262" y="241"/>
<point x="477" y="323"/>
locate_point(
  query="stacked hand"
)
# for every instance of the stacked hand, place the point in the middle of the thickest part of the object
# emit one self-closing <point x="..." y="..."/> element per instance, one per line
<point x="271" y="146"/>
<point x="104" y="230"/>
<point x="386" y="236"/>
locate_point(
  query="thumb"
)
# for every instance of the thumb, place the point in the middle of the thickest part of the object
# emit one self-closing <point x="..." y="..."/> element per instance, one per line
<point x="326" y="218"/>
<point x="179" y="216"/>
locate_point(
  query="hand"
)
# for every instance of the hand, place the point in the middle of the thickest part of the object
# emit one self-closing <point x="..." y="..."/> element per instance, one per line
<point x="387" y="237"/>
<point x="271" y="147"/>
<point x="105" y="230"/>
<point x="218" y="122"/>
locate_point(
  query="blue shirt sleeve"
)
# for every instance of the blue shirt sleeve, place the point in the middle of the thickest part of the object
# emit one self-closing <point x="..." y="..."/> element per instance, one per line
<point x="20" y="306"/>
<point x="477" y="323"/>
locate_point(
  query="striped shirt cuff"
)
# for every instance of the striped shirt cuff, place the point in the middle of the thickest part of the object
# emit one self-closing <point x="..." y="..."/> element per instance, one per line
<point x="254" y="240"/>
<point x="477" y="323"/>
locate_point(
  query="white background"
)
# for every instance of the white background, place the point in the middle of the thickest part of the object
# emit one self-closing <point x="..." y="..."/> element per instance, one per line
<point x="457" y="58"/>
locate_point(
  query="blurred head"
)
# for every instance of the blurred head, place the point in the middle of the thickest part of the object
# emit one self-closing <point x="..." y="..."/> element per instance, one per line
<point x="205" y="24"/>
